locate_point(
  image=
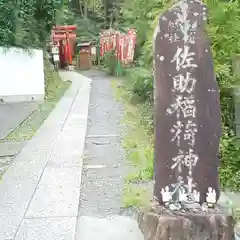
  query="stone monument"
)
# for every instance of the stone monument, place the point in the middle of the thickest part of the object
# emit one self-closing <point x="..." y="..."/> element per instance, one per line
<point x="188" y="129"/>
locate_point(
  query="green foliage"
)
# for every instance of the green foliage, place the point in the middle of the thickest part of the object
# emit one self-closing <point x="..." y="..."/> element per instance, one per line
<point x="230" y="162"/>
<point x="224" y="23"/>
<point x="110" y="62"/>
<point x="141" y="83"/>
<point x="136" y="196"/>
<point x="224" y="31"/>
<point x="87" y="30"/>
<point x="27" y="23"/>
<point x="93" y="15"/>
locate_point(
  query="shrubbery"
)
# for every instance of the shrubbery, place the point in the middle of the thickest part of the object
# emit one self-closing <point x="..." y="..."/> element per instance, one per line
<point x="27" y="23"/>
<point x="224" y="31"/>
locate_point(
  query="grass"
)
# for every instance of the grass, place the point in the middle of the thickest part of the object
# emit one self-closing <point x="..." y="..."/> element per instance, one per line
<point x="138" y="144"/>
<point x="135" y="195"/>
<point x="54" y="91"/>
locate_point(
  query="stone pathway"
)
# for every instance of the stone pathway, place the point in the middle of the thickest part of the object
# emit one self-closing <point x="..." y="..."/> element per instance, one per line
<point x="12" y="114"/>
<point x="103" y="169"/>
<point x="39" y="193"/>
<point x="57" y="190"/>
<point x="8" y="151"/>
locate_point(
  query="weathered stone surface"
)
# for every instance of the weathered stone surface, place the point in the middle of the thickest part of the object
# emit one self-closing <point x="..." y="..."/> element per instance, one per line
<point x="187" y="103"/>
<point x="37" y="186"/>
<point x="157" y="223"/>
<point x="13" y="114"/>
<point x="109" y="228"/>
<point x="11" y="148"/>
<point x="47" y="228"/>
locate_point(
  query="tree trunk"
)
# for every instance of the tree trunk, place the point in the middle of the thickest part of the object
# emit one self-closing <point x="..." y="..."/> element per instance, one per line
<point x="85" y="9"/>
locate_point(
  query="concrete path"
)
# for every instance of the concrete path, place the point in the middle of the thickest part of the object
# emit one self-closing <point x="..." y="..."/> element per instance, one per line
<point x="39" y="194"/>
<point x="103" y="169"/>
<point x="103" y="165"/>
<point x="12" y="114"/>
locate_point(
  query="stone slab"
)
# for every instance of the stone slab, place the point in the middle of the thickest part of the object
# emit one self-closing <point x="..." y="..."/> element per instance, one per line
<point x="10" y="218"/>
<point x="17" y="191"/>
<point x="11" y="148"/>
<point x="101" y="186"/>
<point x="47" y="229"/>
<point x="54" y="202"/>
<point x="12" y="114"/>
<point x="182" y="161"/>
<point x="19" y="185"/>
<point x="111" y="228"/>
<point x="101" y="192"/>
<point x="158" y="222"/>
<point x="65" y="159"/>
<point x="61" y="176"/>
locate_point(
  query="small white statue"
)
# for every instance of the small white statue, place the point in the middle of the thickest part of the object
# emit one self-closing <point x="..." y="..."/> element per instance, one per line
<point x="175" y="206"/>
<point x="211" y="197"/>
<point x="182" y="196"/>
<point x="196" y="196"/>
<point x="166" y="195"/>
<point x="204" y="207"/>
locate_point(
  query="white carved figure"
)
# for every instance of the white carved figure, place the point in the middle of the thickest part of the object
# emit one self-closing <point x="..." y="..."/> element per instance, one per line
<point x="177" y="129"/>
<point x="166" y="195"/>
<point x="190" y="131"/>
<point x="184" y="58"/>
<point x="182" y="196"/>
<point x="204" y="207"/>
<point x="190" y="159"/>
<point x="175" y="206"/>
<point x="186" y="105"/>
<point x="190" y="37"/>
<point x="178" y="161"/>
<point x="190" y="183"/>
<point x="196" y="196"/>
<point x="211" y="197"/>
<point x="183" y="84"/>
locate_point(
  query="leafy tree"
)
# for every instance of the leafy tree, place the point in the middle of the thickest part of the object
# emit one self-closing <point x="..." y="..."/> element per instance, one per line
<point x="27" y="23"/>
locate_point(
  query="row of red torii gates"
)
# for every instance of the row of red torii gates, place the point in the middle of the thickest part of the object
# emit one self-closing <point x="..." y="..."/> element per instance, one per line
<point x="64" y="38"/>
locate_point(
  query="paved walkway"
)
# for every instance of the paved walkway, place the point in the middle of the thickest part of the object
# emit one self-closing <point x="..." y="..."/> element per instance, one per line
<point x="39" y="194"/>
<point x="103" y="168"/>
<point x="12" y="114"/>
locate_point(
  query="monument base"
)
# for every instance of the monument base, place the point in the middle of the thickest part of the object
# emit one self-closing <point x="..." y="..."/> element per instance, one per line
<point x="158" y="223"/>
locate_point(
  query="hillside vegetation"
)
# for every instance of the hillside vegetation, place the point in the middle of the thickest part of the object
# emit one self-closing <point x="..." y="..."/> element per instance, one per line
<point x="223" y="31"/>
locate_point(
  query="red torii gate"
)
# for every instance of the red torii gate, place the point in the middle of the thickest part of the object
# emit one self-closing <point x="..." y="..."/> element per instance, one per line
<point x="123" y="44"/>
<point x="64" y="37"/>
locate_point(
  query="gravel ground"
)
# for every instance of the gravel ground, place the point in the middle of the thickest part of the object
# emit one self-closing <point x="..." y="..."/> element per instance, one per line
<point x="104" y="165"/>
